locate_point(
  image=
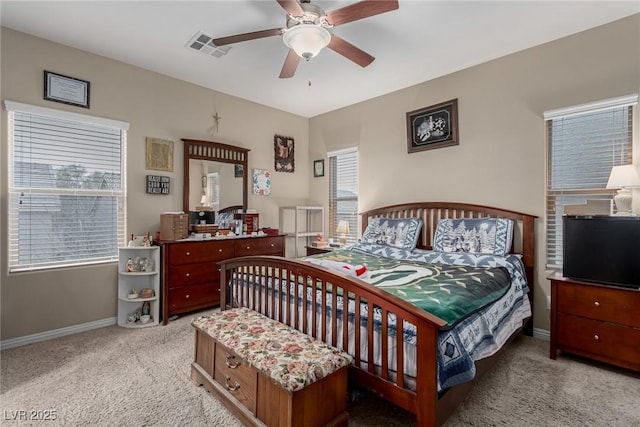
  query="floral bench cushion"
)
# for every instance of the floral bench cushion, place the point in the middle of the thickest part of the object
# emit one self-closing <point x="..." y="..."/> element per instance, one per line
<point x="293" y="359"/>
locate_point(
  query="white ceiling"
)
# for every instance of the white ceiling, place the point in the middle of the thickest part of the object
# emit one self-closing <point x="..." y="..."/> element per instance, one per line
<point x="418" y="42"/>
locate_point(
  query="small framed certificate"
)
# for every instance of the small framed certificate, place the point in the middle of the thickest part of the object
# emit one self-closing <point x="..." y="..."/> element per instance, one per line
<point x="65" y="89"/>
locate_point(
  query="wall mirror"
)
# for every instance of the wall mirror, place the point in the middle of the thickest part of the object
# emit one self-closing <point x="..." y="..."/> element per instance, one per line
<point x="215" y="175"/>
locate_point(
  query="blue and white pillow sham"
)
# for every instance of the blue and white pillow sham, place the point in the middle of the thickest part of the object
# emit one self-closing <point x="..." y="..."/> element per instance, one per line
<point x="474" y="235"/>
<point x="400" y="233"/>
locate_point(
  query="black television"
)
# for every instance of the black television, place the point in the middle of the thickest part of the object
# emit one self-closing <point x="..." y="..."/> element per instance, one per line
<point x="602" y="249"/>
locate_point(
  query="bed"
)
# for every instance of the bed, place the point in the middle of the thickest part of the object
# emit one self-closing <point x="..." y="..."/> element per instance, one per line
<point x="366" y="320"/>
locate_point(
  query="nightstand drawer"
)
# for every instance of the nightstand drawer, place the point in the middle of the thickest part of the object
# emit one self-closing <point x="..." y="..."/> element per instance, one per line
<point x="599" y="340"/>
<point x="236" y="376"/>
<point x="600" y="303"/>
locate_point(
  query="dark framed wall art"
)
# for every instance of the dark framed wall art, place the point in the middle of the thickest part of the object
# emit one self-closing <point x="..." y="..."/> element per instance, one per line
<point x="433" y="127"/>
<point x="284" y="150"/>
<point x="318" y="168"/>
<point x="65" y="89"/>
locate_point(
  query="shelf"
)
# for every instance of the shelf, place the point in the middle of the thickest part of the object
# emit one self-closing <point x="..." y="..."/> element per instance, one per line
<point x="138" y="273"/>
<point x="308" y="221"/>
<point x="138" y="299"/>
<point x="147" y="257"/>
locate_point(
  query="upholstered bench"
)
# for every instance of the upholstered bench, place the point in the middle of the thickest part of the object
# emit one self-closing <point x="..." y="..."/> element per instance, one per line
<point x="268" y="373"/>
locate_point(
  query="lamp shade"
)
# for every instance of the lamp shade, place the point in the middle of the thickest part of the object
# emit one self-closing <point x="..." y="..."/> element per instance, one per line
<point x="624" y="176"/>
<point x="343" y="227"/>
<point x="307" y="40"/>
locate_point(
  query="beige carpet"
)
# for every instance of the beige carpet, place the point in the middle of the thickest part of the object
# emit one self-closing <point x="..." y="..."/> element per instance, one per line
<point x="121" y="377"/>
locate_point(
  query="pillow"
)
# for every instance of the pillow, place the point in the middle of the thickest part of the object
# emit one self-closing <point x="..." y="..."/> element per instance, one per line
<point x="400" y="233"/>
<point x="474" y="235"/>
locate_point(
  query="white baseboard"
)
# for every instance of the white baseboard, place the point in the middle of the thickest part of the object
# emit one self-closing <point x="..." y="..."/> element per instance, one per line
<point x="542" y="334"/>
<point x="56" y="333"/>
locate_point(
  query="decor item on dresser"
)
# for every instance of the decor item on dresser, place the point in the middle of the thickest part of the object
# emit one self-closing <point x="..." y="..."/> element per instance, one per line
<point x="433" y="127"/>
<point x="387" y="295"/>
<point x="66" y="90"/>
<point x="174" y="226"/>
<point x="284" y="153"/>
<point x="623" y="178"/>
<point x="159" y="154"/>
<point x="261" y="182"/>
<point x="191" y="277"/>
<point x="318" y="168"/>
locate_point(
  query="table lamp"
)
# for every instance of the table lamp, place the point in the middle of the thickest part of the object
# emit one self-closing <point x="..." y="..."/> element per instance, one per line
<point x="343" y="230"/>
<point x="623" y="177"/>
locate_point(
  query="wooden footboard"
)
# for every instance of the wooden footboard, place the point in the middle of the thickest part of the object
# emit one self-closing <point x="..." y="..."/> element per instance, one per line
<point x="256" y="283"/>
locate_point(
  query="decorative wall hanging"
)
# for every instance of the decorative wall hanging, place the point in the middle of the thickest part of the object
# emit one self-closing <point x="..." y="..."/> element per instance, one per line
<point x="318" y="168"/>
<point x="158" y="184"/>
<point x="238" y="170"/>
<point x="65" y="89"/>
<point x="261" y="182"/>
<point x="433" y="127"/>
<point x="159" y="154"/>
<point x="283" y="147"/>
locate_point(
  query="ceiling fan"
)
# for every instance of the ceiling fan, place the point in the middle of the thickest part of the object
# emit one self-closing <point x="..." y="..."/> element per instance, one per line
<point x="306" y="34"/>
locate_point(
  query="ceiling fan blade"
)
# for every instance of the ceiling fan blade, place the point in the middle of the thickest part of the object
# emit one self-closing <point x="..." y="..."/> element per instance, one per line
<point x="247" y="36"/>
<point x="360" y="10"/>
<point x="349" y="51"/>
<point x="290" y="65"/>
<point x="292" y="7"/>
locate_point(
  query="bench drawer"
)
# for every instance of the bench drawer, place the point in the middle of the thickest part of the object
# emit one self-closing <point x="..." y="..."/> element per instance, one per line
<point x="236" y="376"/>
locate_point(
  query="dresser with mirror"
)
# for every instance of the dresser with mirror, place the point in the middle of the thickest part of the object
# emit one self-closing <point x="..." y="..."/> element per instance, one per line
<point x="215" y="180"/>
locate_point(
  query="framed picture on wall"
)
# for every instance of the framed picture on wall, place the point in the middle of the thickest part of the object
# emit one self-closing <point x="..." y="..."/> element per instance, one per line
<point x="65" y="89"/>
<point x="238" y="171"/>
<point x="284" y="150"/>
<point x="318" y="168"/>
<point x="433" y="127"/>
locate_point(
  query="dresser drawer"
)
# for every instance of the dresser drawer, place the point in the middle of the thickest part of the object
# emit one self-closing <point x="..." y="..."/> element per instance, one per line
<point x="599" y="340"/>
<point x="186" y="253"/>
<point x="185" y="298"/>
<point x="190" y="274"/>
<point x="600" y="303"/>
<point x="236" y="376"/>
<point x="259" y="246"/>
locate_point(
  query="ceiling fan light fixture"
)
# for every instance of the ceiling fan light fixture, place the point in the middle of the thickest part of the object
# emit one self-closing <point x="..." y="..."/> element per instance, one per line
<point x="306" y="40"/>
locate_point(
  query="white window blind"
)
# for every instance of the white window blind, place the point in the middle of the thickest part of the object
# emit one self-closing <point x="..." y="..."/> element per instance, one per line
<point x="583" y="144"/>
<point x="343" y="191"/>
<point x="67" y="187"/>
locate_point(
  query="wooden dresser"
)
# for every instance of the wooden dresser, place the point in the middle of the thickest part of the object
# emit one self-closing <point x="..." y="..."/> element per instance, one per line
<point x="600" y="322"/>
<point x="190" y="274"/>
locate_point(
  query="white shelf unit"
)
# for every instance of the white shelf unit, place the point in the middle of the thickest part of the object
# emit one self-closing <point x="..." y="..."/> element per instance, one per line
<point x="138" y="280"/>
<point x="307" y="222"/>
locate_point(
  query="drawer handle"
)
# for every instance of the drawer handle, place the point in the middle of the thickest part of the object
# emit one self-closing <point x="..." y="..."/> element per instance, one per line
<point x="188" y="253"/>
<point x="248" y="247"/>
<point x="220" y="250"/>
<point x="230" y="363"/>
<point x="230" y="387"/>
<point x="597" y="338"/>
<point x="597" y="304"/>
<point x="187" y="274"/>
<point x="272" y="245"/>
<point x="187" y="296"/>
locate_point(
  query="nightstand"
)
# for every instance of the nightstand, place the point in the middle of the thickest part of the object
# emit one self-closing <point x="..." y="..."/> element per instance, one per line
<point x="597" y="321"/>
<point x="315" y="251"/>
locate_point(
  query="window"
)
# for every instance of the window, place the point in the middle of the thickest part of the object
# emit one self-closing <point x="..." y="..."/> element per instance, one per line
<point x="343" y="191"/>
<point x="583" y="144"/>
<point x="67" y="187"/>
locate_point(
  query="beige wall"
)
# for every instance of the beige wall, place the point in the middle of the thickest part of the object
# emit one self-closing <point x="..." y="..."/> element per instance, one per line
<point x="500" y="160"/>
<point x="501" y="157"/>
<point x="155" y="106"/>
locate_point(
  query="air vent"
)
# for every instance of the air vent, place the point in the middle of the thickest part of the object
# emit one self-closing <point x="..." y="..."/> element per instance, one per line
<point x="203" y="44"/>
